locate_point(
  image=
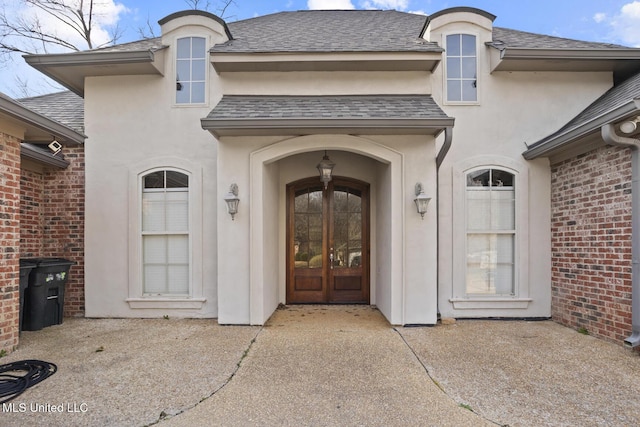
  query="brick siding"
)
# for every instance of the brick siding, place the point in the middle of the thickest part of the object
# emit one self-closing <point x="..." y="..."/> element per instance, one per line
<point x="64" y="224"/>
<point x="9" y="241"/>
<point x="31" y="213"/>
<point x="52" y="221"/>
<point x="591" y="243"/>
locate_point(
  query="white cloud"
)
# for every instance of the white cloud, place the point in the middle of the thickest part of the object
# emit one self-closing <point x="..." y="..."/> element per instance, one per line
<point x="385" y="4"/>
<point x="625" y="26"/>
<point x="600" y="17"/>
<point x="330" y="4"/>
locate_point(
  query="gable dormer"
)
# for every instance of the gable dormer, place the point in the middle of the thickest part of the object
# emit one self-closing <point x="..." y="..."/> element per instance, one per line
<point x="190" y="35"/>
<point x="462" y="32"/>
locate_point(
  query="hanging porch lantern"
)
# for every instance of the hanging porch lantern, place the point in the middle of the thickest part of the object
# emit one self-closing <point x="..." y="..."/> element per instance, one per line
<point x="325" y="167"/>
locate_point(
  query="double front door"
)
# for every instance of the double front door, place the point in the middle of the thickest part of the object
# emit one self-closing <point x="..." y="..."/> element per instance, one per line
<point x="328" y="242"/>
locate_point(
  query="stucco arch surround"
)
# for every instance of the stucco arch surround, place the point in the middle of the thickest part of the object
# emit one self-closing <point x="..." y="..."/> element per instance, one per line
<point x="266" y="212"/>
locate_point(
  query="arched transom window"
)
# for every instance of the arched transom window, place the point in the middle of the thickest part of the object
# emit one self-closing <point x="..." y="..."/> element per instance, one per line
<point x="491" y="232"/>
<point x="165" y="233"/>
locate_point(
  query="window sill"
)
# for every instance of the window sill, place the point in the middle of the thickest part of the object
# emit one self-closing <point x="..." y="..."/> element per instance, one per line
<point x="484" y="303"/>
<point x="167" y="302"/>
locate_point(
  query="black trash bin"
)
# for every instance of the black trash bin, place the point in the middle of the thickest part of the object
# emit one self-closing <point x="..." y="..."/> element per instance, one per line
<point x="25" y="269"/>
<point x="44" y="299"/>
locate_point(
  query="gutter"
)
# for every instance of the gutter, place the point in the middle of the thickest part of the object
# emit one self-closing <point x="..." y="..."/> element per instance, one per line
<point x="548" y="145"/>
<point x="29" y="151"/>
<point x="224" y="127"/>
<point x="566" y="54"/>
<point x="610" y="137"/>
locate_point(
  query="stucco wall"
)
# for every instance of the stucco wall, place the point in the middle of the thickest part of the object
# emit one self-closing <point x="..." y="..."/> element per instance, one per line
<point x="591" y="243"/>
<point x="403" y="268"/>
<point x="144" y="130"/>
<point x="513" y="110"/>
<point x="134" y="126"/>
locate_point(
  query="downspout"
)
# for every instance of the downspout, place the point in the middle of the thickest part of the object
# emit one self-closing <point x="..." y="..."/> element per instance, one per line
<point x="610" y="137"/>
<point x="448" y="137"/>
<point x="446" y="145"/>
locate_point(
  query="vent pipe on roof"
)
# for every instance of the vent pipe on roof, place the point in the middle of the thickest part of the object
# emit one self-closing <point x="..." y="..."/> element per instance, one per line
<point x="610" y="136"/>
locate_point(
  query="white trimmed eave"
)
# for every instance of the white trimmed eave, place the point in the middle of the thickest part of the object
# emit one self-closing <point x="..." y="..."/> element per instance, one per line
<point x="36" y="127"/>
<point x="268" y="127"/>
<point x="582" y="138"/>
<point x="527" y="59"/>
<point x="70" y="69"/>
<point x="325" y="61"/>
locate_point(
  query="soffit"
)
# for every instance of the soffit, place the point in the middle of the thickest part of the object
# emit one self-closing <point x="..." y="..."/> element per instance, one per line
<point x="70" y="69"/>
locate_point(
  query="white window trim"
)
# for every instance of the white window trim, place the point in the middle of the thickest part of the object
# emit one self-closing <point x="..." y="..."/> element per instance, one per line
<point x="445" y="99"/>
<point x="137" y="298"/>
<point x="521" y="298"/>
<point x="207" y="76"/>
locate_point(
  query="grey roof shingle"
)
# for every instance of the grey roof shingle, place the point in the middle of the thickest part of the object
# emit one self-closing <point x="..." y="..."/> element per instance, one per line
<point x="351" y="31"/>
<point x="235" y="107"/>
<point x="66" y="108"/>
<point x="154" y="43"/>
<point x="329" y="31"/>
<point x="523" y="39"/>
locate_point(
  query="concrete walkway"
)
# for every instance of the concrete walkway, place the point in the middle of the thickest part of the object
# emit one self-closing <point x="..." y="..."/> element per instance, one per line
<point x="329" y="366"/>
<point x="324" y="366"/>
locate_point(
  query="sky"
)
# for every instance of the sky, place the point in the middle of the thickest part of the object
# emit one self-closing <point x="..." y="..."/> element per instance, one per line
<point x="609" y="21"/>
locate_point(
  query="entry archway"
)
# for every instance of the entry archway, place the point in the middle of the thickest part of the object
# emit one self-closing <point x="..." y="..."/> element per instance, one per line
<point x="265" y="213"/>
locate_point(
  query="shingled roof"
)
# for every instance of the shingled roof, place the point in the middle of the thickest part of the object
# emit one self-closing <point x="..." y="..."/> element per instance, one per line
<point x="66" y="108"/>
<point x="352" y="31"/>
<point x="329" y="31"/>
<point x="299" y="114"/>
<point x="522" y="39"/>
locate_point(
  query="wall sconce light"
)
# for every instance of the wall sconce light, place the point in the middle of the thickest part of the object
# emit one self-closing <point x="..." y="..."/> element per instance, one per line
<point x="421" y="200"/>
<point x="629" y="126"/>
<point x="325" y="167"/>
<point x="55" y="147"/>
<point x="232" y="200"/>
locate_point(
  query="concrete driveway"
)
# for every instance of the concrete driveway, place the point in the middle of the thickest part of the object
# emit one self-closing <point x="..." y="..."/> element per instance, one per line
<point x="324" y="365"/>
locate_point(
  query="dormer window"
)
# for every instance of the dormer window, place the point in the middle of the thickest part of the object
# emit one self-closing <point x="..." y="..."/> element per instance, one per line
<point x="191" y="70"/>
<point x="462" y="68"/>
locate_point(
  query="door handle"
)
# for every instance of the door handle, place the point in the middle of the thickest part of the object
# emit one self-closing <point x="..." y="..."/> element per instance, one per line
<point x="331" y="259"/>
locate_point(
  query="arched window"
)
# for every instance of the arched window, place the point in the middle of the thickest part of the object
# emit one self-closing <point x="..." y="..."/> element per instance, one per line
<point x="165" y="233"/>
<point x="490" y="232"/>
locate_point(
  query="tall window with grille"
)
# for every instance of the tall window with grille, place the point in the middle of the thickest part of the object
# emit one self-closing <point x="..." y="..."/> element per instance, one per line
<point x="461" y="68"/>
<point x="165" y="233"/>
<point x="491" y="233"/>
<point x="191" y="70"/>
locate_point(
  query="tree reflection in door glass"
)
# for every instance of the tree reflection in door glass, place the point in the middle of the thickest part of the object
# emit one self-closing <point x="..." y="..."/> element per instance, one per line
<point x="308" y="228"/>
<point x="347" y="227"/>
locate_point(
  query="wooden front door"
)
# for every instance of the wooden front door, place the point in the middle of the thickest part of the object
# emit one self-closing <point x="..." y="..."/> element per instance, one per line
<point x="328" y="242"/>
